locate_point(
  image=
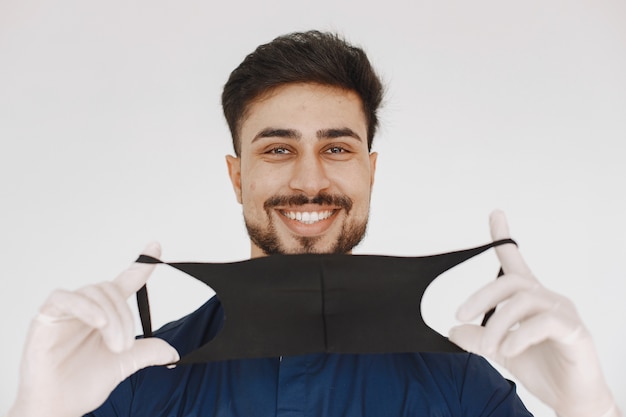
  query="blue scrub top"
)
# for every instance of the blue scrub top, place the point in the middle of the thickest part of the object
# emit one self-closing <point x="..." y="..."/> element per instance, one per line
<point x="314" y="385"/>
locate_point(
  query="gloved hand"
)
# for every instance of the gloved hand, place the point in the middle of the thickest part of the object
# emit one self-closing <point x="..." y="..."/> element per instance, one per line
<point x="537" y="335"/>
<point x="82" y="345"/>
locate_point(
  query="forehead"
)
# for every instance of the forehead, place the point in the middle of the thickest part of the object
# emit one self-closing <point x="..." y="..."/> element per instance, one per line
<point x="304" y="107"/>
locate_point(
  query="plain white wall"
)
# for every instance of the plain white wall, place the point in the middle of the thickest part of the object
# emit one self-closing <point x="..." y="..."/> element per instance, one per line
<point x="112" y="136"/>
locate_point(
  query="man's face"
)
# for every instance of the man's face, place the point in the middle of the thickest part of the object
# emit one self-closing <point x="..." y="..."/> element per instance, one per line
<point x="305" y="175"/>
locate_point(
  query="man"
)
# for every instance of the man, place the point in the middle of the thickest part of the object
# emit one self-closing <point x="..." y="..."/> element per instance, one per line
<point x="302" y="113"/>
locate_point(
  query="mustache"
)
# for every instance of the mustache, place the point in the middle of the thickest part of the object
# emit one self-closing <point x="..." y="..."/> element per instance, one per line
<point x="322" y="198"/>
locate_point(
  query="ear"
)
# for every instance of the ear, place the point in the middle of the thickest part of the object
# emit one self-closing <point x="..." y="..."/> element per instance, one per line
<point x="373" y="158"/>
<point x="234" y="172"/>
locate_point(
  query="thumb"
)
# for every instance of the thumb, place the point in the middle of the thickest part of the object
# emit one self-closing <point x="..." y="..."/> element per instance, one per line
<point x="147" y="352"/>
<point x="467" y="336"/>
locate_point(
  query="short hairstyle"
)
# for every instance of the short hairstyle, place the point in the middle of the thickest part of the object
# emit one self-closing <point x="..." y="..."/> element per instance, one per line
<point x="301" y="57"/>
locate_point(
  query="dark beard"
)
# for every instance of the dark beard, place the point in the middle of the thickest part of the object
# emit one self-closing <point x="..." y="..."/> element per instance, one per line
<point x="267" y="239"/>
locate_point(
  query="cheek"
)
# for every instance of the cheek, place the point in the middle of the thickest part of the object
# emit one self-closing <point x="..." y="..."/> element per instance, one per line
<point x="355" y="181"/>
<point x="253" y="196"/>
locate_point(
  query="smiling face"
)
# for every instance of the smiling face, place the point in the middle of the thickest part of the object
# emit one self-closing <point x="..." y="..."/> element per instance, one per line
<point x="304" y="175"/>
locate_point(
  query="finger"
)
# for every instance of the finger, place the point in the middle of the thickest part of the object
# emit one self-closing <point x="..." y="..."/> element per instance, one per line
<point x="519" y="308"/>
<point x="133" y="278"/>
<point x="146" y="352"/>
<point x="509" y="255"/>
<point x="538" y="329"/>
<point x="113" y="332"/>
<point x="66" y="305"/>
<point x="491" y="295"/>
<point x="124" y="315"/>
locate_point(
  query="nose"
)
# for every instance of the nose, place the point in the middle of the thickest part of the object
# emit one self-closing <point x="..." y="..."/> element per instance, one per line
<point x="309" y="175"/>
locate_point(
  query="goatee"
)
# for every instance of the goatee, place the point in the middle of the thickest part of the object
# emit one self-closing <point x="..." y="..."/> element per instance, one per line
<point x="267" y="239"/>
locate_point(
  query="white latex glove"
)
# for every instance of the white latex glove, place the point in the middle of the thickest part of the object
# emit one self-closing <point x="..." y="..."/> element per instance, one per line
<point x="82" y="345"/>
<point x="537" y="335"/>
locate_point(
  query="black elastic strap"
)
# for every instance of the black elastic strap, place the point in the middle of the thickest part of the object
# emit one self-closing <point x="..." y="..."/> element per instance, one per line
<point x="143" y="304"/>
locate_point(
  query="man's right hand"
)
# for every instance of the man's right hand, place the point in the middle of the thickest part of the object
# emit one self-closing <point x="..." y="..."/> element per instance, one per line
<point x="82" y="345"/>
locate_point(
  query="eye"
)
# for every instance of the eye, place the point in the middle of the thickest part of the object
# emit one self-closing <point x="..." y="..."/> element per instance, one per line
<point x="336" y="150"/>
<point x="278" y="150"/>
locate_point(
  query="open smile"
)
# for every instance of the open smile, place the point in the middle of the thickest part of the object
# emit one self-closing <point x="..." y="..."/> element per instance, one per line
<point x="307" y="221"/>
<point x="308" y="217"/>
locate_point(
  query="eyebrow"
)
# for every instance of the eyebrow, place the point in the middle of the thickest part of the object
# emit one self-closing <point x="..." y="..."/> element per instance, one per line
<point x="338" y="133"/>
<point x="332" y="133"/>
<point x="271" y="132"/>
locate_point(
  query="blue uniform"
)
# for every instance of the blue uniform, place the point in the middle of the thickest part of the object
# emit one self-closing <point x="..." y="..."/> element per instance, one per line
<point x="314" y="385"/>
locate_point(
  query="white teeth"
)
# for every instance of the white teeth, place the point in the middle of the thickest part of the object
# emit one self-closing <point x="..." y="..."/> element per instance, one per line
<point x="307" y="217"/>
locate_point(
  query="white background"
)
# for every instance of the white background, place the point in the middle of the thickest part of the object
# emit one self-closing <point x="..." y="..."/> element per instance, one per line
<point x="112" y="136"/>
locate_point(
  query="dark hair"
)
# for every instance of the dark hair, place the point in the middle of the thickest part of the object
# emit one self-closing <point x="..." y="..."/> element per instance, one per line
<point x="312" y="56"/>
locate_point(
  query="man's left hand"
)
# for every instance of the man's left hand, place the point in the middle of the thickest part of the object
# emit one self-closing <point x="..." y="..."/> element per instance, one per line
<point x="537" y="335"/>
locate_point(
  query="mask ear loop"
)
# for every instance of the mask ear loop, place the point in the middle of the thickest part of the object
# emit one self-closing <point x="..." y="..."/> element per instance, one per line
<point x="143" y="304"/>
<point x="488" y="314"/>
<point x="144" y="311"/>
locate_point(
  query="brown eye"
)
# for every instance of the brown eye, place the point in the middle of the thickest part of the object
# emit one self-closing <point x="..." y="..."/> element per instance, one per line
<point x="336" y="149"/>
<point x="279" y="150"/>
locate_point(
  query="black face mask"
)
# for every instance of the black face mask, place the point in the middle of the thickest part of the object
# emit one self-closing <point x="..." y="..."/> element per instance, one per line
<point x="284" y="305"/>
